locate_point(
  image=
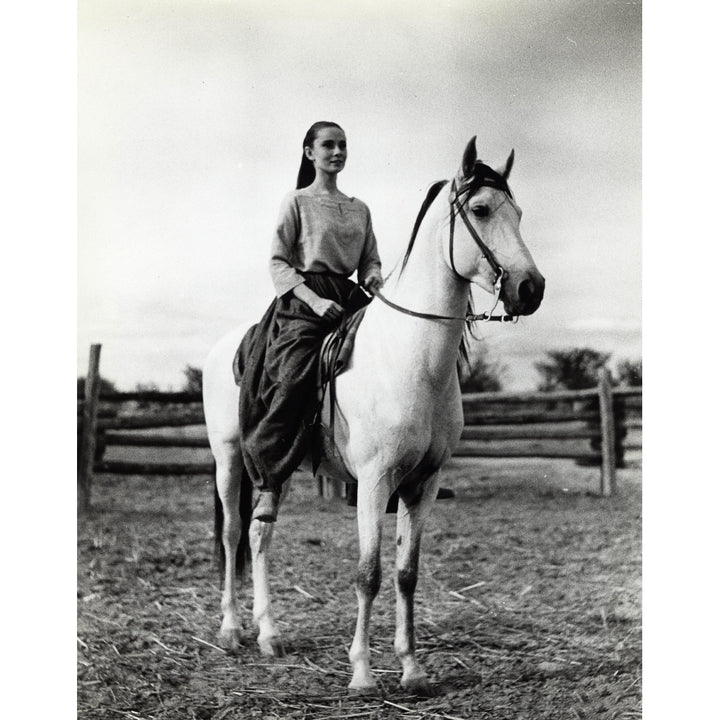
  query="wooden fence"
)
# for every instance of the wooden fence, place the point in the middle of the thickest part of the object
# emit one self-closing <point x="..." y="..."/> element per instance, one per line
<point x="598" y="426"/>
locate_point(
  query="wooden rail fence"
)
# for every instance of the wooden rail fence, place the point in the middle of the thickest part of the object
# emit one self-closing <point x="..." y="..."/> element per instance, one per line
<point x="598" y="426"/>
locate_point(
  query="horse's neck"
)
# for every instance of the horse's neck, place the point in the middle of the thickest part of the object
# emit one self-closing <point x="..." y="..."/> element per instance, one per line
<point x="427" y="285"/>
<point x="426" y="279"/>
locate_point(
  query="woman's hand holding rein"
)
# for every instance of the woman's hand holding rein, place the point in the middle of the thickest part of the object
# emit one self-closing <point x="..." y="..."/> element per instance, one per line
<point x="327" y="309"/>
<point x="373" y="283"/>
<point x="322" y="307"/>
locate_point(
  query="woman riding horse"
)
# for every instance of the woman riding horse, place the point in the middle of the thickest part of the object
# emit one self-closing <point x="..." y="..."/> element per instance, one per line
<point x="398" y="405"/>
<point x="322" y="237"/>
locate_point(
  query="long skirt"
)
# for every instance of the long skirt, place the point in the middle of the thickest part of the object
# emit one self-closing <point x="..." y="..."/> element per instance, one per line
<point x="277" y="369"/>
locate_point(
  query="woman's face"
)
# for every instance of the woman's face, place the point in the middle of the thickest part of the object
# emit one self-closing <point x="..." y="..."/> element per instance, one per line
<point x="329" y="150"/>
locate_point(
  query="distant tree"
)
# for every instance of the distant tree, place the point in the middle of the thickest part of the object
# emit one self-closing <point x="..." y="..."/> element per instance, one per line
<point x="193" y="379"/>
<point x="147" y="387"/>
<point x="145" y="404"/>
<point x="573" y="369"/>
<point x="629" y="372"/>
<point x="480" y="373"/>
<point x="106" y="386"/>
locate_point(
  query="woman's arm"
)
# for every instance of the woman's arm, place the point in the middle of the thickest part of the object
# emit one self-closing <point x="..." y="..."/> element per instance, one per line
<point x="370" y="269"/>
<point x="283" y="247"/>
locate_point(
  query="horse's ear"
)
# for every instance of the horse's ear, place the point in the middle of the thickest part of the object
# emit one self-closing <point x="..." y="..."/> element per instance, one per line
<point x="504" y="172"/>
<point x="469" y="158"/>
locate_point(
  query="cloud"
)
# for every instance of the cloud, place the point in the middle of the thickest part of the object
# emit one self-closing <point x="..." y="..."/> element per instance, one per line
<point x="191" y="116"/>
<point x="603" y="324"/>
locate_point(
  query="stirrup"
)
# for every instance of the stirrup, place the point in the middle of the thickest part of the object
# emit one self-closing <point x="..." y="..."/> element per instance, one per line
<point x="266" y="507"/>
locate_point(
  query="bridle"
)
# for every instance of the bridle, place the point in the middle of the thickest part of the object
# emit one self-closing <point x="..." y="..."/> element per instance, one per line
<point x="488" y="179"/>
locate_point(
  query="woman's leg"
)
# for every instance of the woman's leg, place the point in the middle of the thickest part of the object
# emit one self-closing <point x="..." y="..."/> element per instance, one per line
<point x="285" y="396"/>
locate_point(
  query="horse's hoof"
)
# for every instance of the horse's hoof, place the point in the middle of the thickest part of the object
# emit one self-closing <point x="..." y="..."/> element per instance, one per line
<point x="272" y="647"/>
<point x="421" y="687"/>
<point x="364" y="691"/>
<point x="363" y="683"/>
<point x="229" y="640"/>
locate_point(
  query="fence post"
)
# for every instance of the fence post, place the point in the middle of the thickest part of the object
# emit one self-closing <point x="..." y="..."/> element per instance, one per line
<point x="86" y="451"/>
<point x="607" y="429"/>
<point x="329" y="487"/>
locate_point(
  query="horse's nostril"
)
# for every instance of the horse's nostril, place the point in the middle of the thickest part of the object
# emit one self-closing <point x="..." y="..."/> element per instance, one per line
<point x="530" y="293"/>
<point x="526" y="290"/>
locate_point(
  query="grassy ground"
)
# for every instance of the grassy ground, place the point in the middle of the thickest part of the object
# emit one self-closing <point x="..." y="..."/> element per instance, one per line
<point x="528" y="604"/>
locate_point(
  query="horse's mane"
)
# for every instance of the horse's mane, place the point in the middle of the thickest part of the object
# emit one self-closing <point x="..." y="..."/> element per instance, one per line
<point x="484" y="176"/>
<point x="432" y="193"/>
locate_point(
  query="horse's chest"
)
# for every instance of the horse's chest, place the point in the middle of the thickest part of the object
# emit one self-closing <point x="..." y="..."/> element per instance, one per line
<point x="434" y="423"/>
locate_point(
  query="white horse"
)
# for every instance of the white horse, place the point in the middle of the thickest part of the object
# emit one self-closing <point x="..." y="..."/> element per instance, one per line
<point x="398" y="413"/>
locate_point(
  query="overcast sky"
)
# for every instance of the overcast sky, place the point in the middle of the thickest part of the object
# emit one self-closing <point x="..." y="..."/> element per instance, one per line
<point x="191" y="119"/>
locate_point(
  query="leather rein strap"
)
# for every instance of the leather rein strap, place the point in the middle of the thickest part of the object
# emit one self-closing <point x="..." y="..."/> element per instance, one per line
<point x="469" y="318"/>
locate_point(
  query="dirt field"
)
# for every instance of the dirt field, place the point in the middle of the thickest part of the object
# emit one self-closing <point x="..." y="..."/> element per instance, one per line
<point x="528" y="604"/>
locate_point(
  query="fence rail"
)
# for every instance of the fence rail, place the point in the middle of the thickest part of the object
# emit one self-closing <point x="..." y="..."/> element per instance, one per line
<point x="595" y="426"/>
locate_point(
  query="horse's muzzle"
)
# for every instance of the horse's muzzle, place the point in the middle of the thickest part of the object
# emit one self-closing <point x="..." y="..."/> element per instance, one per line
<point x="524" y="297"/>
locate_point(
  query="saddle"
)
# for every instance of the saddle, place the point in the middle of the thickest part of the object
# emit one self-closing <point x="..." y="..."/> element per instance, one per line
<point x="337" y="349"/>
<point x="335" y="354"/>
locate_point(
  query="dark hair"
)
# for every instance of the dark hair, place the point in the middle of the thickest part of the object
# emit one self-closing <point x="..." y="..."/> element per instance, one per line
<point x="306" y="174"/>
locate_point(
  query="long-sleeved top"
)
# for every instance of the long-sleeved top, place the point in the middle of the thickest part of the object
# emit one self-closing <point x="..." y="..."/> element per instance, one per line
<point x="317" y="233"/>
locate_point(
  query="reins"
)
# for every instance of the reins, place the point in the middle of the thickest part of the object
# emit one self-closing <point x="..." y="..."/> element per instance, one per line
<point x="457" y="207"/>
<point x="468" y="317"/>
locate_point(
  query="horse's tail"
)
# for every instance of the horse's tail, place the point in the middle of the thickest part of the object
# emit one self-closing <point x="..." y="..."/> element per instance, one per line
<point x="242" y="556"/>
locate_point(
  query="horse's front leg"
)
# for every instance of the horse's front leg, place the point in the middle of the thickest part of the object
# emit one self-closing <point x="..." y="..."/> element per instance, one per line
<point x="371" y="502"/>
<point x="261" y="534"/>
<point x="410" y="524"/>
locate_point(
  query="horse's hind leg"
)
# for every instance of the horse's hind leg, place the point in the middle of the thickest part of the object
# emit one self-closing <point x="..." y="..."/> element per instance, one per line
<point x="410" y="524"/>
<point x="229" y="472"/>
<point x="228" y="463"/>
<point x="268" y="638"/>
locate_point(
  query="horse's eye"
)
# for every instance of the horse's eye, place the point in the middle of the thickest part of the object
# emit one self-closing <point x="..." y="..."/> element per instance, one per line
<point x="481" y="211"/>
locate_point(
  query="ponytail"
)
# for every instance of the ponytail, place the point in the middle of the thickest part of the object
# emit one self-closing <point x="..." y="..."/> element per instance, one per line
<point x="306" y="174"/>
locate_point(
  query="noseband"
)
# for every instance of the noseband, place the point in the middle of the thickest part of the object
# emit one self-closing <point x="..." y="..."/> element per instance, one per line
<point x="487" y="178"/>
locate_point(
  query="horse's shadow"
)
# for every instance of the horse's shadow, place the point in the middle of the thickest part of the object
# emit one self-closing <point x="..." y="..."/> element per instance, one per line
<point x="330" y="661"/>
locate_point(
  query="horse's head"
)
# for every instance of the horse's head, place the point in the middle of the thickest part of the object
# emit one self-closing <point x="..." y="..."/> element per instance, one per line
<point x="485" y="246"/>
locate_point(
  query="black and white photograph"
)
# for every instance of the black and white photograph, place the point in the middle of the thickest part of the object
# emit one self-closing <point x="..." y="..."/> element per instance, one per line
<point x="360" y="359"/>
